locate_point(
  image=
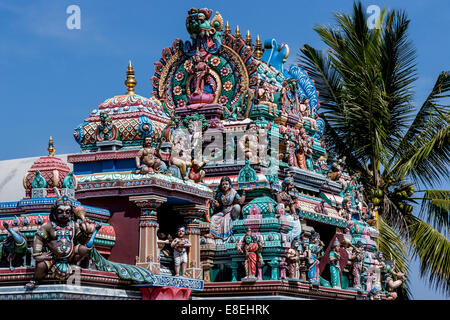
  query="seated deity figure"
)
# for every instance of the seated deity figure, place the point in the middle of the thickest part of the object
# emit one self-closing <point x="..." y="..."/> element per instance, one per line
<point x="228" y="202"/>
<point x="286" y="206"/>
<point x="249" y="143"/>
<point x="150" y="162"/>
<point x="62" y="242"/>
<point x="180" y="245"/>
<point x="251" y="247"/>
<point x="180" y="154"/>
<point x="265" y="97"/>
<point x="306" y="114"/>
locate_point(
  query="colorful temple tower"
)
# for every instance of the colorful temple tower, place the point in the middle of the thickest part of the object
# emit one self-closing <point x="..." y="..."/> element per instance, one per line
<point x="219" y="185"/>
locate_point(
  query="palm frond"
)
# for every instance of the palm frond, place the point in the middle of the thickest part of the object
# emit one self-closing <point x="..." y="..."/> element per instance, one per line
<point x="394" y="217"/>
<point x="424" y="152"/>
<point x="435" y="209"/>
<point x="398" y="71"/>
<point x="433" y="251"/>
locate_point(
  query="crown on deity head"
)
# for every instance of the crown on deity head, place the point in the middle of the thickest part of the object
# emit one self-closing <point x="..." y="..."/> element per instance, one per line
<point x="63" y="199"/>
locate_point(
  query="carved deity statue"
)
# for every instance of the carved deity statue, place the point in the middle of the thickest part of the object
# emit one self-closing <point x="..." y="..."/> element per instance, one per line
<point x="287" y="206"/>
<point x="306" y="114"/>
<point x="315" y="252"/>
<point x="291" y="149"/>
<point x="14" y="248"/>
<point x="335" y="268"/>
<point x="251" y="246"/>
<point x="304" y="155"/>
<point x="180" y="245"/>
<point x="62" y="242"/>
<point x="106" y="130"/>
<point x="251" y="145"/>
<point x="293" y="259"/>
<point x="181" y="156"/>
<point x="265" y="97"/>
<point x="228" y="202"/>
<point x="150" y="161"/>
<point x="200" y="73"/>
<point x="357" y="257"/>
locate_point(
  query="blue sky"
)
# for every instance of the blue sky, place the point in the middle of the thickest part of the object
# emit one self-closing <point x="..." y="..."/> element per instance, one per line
<point x="52" y="77"/>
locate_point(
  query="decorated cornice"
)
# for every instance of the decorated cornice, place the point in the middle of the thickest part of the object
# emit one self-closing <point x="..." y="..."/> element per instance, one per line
<point x="28" y="224"/>
<point x="178" y="282"/>
<point x="277" y="288"/>
<point x="33" y="204"/>
<point x="105" y="155"/>
<point x="128" y="180"/>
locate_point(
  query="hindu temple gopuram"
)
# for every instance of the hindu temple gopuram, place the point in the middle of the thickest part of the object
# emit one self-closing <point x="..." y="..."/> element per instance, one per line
<point x="219" y="185"/>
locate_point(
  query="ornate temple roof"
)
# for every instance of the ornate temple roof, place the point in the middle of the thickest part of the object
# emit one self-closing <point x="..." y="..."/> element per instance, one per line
<point x="126" y="118"/>
<point x="46" y="172"/>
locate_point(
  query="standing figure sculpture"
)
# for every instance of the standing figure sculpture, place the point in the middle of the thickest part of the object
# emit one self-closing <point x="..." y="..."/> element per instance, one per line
<point x="286" y="206"/>
<point x="293" y="259"/>
<point x="62" y="242"/>
<point x="150" y="161"/>
<point x="291" y="150"/>
<point x="200" y="73"/>
<point x="180" y="245"/>
<point x="315" y="252"/>
<point x="335" y="268"/>
<point x="250" y="246"/>
<point x="228" y="202"/>
<point x="357" y="257"/>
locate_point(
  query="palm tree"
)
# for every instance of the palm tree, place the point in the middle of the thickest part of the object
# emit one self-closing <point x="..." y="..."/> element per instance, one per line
<point x="365" y="79"/>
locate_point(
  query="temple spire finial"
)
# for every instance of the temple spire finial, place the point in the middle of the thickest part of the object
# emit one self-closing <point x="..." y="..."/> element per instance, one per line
<point x="130" y="82"/>
<point x="51" y="148"/>
<point x="248" y="39"/>
<point x="227" y="28"/>
<point x="258" y="49"/>
<point x="238" y="32"/>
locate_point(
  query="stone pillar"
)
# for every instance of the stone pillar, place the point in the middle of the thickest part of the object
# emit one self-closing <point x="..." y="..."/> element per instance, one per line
<point x="148" y="241"/>
<point x="207" y="251"/>
<point x="192" y="214"/>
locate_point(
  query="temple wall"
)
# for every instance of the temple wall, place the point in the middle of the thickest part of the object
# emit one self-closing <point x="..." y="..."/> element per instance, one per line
<point x="125" y="220"/>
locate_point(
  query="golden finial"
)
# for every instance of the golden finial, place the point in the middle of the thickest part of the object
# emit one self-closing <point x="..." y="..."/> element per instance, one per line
<point x="51" y="148"/>
<point x="248" y="39"/>
<point x="130" y="82"/>
<point x="227" y="28"/>
<point x="258" y="49"/>
<point x="238" y="32"/>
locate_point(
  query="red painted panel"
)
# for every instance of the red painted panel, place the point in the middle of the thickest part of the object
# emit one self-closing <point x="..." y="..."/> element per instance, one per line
<point x="125" y="220"/>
